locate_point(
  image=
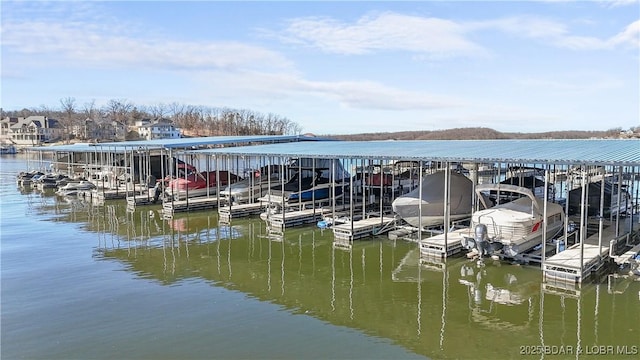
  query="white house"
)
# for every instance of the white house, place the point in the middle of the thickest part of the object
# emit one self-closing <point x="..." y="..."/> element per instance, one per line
<point x="159" y="130"/>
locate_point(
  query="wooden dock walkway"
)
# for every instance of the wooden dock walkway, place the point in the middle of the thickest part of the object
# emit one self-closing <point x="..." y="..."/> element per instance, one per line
<point x="226" y="213"/>
<point x="281" y="221"/>
<point x="278" y="201"/>
<point x="145" y="197"/>
<point x="565" y="266"/>
<point x="196" y="204"/>
<point x="358" y="229"/>
<point x="435" y="247"/>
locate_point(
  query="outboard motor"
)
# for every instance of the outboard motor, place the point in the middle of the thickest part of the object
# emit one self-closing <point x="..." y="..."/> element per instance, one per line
<point x="481" y="238"/>
<point x="479" y="241"/>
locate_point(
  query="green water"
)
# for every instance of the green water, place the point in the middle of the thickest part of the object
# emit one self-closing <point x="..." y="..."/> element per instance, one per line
<point x="86" y="281"/>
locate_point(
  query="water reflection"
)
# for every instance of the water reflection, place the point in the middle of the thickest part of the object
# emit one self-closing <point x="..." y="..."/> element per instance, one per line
<point x="380" y="287"/>
<point x="490" y="290"/>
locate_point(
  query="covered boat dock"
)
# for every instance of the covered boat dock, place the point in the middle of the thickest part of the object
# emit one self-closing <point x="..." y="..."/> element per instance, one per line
<point x="128" y="169"/>
<point x="615" y="233"/>
<point x="555" y="158"/>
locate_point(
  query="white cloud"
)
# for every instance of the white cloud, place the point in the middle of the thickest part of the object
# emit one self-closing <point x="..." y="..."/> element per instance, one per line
<point x="435" y="38"/>
<point x="630" y="36"/>
<point x="603" y="3"/>
<point x="382" y="32"/>
<point x="351" y="94"/>
<point x="557" y="34"/>
<point x="578" y="84"/>
<point x="372" y="95"/>
<point x="87" y="42"/>
<point x="618" y="3"/>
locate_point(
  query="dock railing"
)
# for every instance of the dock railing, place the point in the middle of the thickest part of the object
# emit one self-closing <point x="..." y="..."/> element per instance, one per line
<point x="624" y="251"/>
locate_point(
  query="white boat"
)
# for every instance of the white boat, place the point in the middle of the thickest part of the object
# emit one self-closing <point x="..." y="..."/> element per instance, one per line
<point x="512" y="228"/>
<point x="255" y="184"/>
<point x="426" y="208"/>
<point x="48" y="181"/>
<point x="72" y="188"/>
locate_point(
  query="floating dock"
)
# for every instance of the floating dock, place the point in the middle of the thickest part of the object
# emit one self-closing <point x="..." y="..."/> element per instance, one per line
<point x="146" y="197"/>
<point x="565" y="266"/>
<point x="353" y="230"/>
<point x="278" y="200"/>
<point x="195" y="204"/>
<point x="281" y="221"/>
<point x="627" y="257"/>
<point x="435" y="246"/>
<point x="226" y="213"/>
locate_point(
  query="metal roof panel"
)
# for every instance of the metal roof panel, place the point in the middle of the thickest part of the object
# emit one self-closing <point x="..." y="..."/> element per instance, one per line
<point x="592" y="151"/>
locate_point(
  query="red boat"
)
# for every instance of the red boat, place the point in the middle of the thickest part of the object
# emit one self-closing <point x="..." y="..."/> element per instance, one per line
<point x="200" y="184"/>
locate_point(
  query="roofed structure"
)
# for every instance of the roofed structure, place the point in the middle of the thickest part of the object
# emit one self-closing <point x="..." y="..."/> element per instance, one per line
<point x="589" y="152"/>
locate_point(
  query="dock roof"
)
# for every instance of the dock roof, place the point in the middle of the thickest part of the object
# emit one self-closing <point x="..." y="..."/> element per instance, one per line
<point x="180" y="143"/>
<point x="588" y="152"/>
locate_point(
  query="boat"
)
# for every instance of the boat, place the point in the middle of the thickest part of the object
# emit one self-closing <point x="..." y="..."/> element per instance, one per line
<point x="576" y="174"/>
<point x="531" y="178"/>
<point x="255" y="184"/>
<point x="329" y="221"/>
<point x="8" y="149"/>
<point x="48" y="180"/>
<point x="424" y="206"/>
<point x="399" y="177"/>
<point x="25" y="178"/>
<point x="197" y="184"/>
<point x="512" y="228"/>
<point x="312" y="180"/>
<point x="593" y="195"/>
<point x="71" y="188"/>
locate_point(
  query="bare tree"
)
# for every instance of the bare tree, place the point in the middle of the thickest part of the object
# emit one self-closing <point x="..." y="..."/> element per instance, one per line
<point x="176" y="110"/>
<point x="90" y="114"/>
<point x="199" y="120"/>
<point x="118" y="109"/>
<point x="158" y="111"/>
<point x="69" y="110"/>
<point x="89" y="110"/>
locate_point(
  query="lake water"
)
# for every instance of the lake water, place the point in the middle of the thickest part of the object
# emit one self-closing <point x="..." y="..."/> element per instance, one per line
<point x="97" y="282"/>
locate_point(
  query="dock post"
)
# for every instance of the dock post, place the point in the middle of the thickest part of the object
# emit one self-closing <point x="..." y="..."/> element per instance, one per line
<point x="447" y="197"/>
<point x="583" y="221"/>
<point x="544" y="216"/>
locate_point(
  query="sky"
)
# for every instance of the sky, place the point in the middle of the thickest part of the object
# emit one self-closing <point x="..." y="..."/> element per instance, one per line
<point x="336" y="67"/>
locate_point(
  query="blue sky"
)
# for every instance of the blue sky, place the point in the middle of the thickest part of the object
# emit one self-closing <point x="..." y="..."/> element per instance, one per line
<point x="337" y="67"/>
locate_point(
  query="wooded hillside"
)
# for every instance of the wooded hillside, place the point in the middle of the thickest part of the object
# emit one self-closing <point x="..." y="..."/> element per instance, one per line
<point x="478" y="133"/>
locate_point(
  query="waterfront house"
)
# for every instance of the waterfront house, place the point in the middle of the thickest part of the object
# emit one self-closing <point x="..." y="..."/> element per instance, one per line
<point x="30" y="131"/>
<point x="160" y="129"/>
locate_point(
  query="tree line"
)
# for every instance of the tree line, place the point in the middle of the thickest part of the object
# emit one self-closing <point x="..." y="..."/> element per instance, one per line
<point x="193" y="120"/>
<point x="479" y="133"/>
